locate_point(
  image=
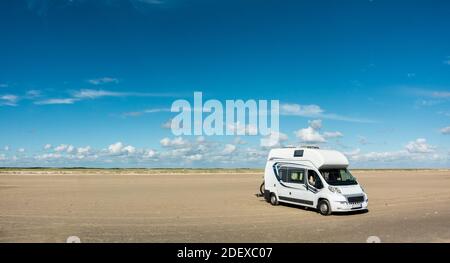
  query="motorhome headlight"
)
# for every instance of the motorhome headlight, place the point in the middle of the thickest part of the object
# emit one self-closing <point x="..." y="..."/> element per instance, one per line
<point x="334" y="189"/>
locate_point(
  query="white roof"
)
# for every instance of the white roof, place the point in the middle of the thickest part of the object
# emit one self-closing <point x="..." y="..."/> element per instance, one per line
<point x="319" y="158"/>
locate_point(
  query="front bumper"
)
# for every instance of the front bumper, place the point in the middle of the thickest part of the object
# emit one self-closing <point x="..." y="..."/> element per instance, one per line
<point x="348" y="207"/>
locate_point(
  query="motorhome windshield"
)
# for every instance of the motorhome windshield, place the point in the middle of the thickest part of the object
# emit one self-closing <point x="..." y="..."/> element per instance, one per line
<point x="338" y="177"/>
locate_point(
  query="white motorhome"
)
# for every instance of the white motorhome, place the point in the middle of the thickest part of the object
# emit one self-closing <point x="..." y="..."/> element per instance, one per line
<point x="312" y="177"/>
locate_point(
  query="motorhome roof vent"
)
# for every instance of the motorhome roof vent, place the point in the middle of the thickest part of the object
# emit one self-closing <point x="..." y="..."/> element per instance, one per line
<point x="298" y="153"/>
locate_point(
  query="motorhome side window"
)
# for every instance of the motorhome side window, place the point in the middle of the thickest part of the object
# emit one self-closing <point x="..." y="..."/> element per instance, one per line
<point x="314" y="179"/>
<point x="283" y="174"/>
<point x="296" y="175"/>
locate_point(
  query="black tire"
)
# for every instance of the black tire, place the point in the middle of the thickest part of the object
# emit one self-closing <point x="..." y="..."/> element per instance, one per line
<point x="324" y="207"/>
<point x="262" y="188"/>
<point x="273" y="199"/>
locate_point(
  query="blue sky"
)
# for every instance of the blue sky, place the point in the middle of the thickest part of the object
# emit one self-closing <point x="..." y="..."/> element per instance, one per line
<point x="87" y="83"/>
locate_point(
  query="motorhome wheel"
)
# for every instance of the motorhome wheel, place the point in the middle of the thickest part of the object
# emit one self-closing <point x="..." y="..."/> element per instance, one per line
<point x="261" y="188"/>
<point x="324" y="207"/>
<point x="273" y="199"/>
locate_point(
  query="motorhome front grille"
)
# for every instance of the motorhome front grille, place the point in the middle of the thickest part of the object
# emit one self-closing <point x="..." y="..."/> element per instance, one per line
<point x="355" y="199"/>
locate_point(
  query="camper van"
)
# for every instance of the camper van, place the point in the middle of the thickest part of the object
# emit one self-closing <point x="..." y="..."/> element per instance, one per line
<point x="312" y="177"/>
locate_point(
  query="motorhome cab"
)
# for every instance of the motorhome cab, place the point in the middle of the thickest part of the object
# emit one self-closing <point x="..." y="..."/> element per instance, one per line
<point x="312" y="177"/>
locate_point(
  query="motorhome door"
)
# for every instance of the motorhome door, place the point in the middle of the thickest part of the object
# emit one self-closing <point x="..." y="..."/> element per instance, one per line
<point x="293" y="186"/>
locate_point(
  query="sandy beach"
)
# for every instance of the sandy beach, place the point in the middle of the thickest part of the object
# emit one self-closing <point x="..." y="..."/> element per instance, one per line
<point x="211" y="206"/>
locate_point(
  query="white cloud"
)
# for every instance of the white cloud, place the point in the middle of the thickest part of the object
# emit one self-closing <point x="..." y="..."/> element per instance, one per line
<point x="445" y="130"/>
<point x="200" y="139"/>
<point x="8" y="100"/>
<point x="428" y="93"/>
<point x="3" y="157"/>
<point x="64" y="148"/>
<point x="115" y="148"/>
<point x="21" y="150"/>
<point x="184" y="152"/>
<point x="315" y="111"/>
<point x="205" y="152"/>
<point x="420" y="145"/>
<point x="156" y="110"/>
<point x="417" y="152"/>
<point x="56" y="101"/>
<point x="274" y="139"/>
<point x="241" y="129"/>
<point x="316" y="124"/>
<point x="6" y="148"/>
<point x="149" y="154"/>
<point x="48" y="156"/>
<point x="300" y="110"/>
<point x="335" y="134"/>
<point x="310" y="135"/>
<point x="103" y="80"/>
<point x="441" y="94"/>
<point x="195" y="157"/>
<point x="352" y="153"/>
<point x="119" y="149"/>
<point x="238" y="140"/>
<point x="83" y="150"/>
<point x="165" y="142"/>
<point x="428" y="103"/>
<point x="66" y="154"/>
<point x="380" y="156"/>
<point x="178" y="141"/>
<point x="60" y="148"/>
<point x="90" y="94"/>
<point x="129" y="149"/>
<point x="94" y="94"/>
<point x="132" y="114"/>
<point x="70" y="149"/>
<point x="229" y="148"/>
<point x="198" y="152"/>
<point x="401" y="156"/>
